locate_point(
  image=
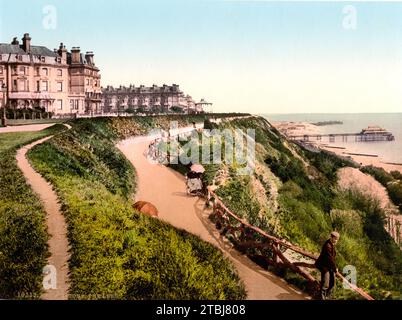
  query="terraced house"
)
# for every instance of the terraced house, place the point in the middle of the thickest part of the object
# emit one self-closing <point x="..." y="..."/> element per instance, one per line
<point x="57" y="81"/>
<point x="159" y="99"/>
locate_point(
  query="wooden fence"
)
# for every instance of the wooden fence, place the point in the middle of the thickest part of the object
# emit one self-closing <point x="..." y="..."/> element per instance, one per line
<point x="265" y="246"/>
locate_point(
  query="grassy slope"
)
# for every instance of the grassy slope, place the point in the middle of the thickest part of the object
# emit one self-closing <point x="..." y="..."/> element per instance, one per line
<point x="391" y="181"/>
<point x="310" y="207"/>
<point x="23" y="235"/>
<point x="115" y="251"/>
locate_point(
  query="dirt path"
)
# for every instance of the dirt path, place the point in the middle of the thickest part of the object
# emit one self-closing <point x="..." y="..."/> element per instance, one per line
<point x="57" y="228"/>
<point x="26" y="128"/>
<point x="166" y="189"/>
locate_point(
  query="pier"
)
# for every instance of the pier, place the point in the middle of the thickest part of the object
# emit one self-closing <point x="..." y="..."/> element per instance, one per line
<point x="366" y="135"/>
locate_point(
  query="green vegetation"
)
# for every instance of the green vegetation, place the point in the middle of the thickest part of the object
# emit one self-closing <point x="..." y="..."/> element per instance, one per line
<point x="379" y="174"/>
<point x="117" y="252"/>
<point x="27" y="113"/>
<point x="310" y="206"/>
<point x="391" y="181"/>
<point x="23" y="235"/>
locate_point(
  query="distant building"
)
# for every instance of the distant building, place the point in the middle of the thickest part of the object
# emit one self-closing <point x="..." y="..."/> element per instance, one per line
<point x="58" y="81"/>
<point x="158" y="99"/>
<point x="203" y="105"/>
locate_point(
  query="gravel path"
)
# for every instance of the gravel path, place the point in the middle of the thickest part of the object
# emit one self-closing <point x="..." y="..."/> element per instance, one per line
<point x="166" y="189"/>
<point x="25" y="128"/>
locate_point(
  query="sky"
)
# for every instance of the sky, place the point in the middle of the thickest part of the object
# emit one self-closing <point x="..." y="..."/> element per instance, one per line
<point x="243" y="56"/>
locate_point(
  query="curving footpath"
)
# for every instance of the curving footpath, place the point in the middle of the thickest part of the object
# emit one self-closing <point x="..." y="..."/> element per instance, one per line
<point x="26" y="128"/>
<point x="57" y="228"/>
<point x="165" y="188"/>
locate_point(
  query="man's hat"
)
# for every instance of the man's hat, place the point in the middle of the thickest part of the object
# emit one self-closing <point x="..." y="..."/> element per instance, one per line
<point x="335" y="234"/>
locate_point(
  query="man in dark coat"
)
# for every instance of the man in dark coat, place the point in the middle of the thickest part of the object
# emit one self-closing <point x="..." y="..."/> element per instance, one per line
<point x="327" y="265"/>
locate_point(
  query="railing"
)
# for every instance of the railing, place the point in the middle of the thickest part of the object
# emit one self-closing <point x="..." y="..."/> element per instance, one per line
<point x="246" y="236"/>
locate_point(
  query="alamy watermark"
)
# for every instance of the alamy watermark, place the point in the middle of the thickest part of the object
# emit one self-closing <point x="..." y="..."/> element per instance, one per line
<point x="349" y="21"/>
<point x="49" y="20"/>
<point x="230" y="147"/>
<point x="49" y="277"/>
<point x="350" y="274"/>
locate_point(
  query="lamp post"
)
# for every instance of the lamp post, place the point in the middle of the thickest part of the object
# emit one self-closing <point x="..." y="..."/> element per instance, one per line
<point x="4" y="118"/>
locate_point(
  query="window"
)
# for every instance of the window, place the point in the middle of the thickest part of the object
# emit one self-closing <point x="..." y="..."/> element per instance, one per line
<point x="45" y="71"/>
<point x="87" y="82"/>
<point x="38" y="86"/>
<point x="37" y="71"/>
<point x="15" y="85"/>
<point x="43" y="59"/>
<point x="45" y="86"/>
<point x="59" y="104"/>
<point x="59" y="72"/>
<point x="59" y="86"/>
<point x="1" y="84"/>
<point x="1" y="69"/>
<point x="74" y="104"/>
<point x="22" y="85"/>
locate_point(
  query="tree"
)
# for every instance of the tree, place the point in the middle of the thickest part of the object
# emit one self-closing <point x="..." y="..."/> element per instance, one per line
<point x="177" y="109"/>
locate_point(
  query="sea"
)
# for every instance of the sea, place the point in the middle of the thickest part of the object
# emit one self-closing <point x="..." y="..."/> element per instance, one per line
<point x="388" y="151"/>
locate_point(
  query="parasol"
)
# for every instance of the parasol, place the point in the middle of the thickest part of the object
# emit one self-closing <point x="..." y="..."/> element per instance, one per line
<point x="197" y="168"/>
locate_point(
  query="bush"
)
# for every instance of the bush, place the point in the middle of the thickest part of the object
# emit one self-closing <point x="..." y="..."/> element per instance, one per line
<point x="391" y="181"/>
<point x="395" y="193"/>
<point x="379" y="174"/>
<point x="397" y="175"/>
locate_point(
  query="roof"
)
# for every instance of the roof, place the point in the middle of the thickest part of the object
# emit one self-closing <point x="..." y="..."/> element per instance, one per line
<point x="142" y="89"/>
<point x="35" y="50"/>
<point x="43" y="51"/>
<point x="203" y="101"/>
<point x="10" y="48"/>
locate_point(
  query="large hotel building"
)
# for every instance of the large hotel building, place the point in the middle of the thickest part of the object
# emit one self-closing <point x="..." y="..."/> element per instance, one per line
<point x="58" y="81"/>
<point x="67" y="83"/>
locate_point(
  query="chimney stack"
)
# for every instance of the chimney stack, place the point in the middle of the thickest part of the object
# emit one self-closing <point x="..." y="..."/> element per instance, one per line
<point x="75" y="53"/>
<point x="15" y="42"/>
<point x="26" y="43"/>
<point x="89" y="57"/>
<point x="62" y="51"/>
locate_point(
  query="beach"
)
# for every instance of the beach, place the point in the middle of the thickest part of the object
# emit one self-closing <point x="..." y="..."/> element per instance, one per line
<point x="300" y="128"/>
<point x="365" y="160"/>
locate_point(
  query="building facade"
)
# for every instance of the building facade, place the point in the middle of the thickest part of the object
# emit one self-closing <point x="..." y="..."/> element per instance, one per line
<point x="58" y="81"/>
<point x="204" y="106"/>
<point x="158" y="99"/>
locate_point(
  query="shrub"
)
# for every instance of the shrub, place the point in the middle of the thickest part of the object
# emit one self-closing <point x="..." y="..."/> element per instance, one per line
<point x="379" y="174"/>
<point x="395" y="193"/>
<point x="397" y="175"/>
